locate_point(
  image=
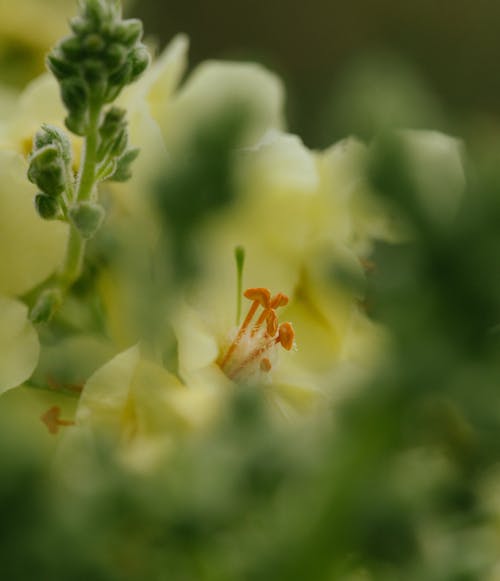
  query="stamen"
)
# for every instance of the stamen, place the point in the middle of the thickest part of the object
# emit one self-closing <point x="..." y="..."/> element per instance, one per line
<point x="286" y="335"/>
<point x="272" y="323"/>
<point x="252" y="350"/>
<point x="279" y="300"/>
<point x="259" y="296"/>
<point x="52" y="420"/>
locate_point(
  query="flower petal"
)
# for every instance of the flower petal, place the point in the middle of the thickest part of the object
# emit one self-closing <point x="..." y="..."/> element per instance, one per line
<point x="30" y="248"/>
<point x="215" y="85"/>
<point x="19" y="347"/>
<point x="104" y="399"/>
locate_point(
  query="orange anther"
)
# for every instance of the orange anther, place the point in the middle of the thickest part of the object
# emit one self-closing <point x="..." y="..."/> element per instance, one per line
<point x="280" y="300"/>
<point x="286" y="335"/>
<point x="265" y="365"/>
<point x="272" y="323"/>
<point x="261" y="295"/>
<point x="52" y="420"/>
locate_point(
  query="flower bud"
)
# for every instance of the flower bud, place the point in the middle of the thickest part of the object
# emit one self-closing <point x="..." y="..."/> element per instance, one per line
<point x="46" y="170"/>
<point x="46" y="206"/>
<point x="113" y="122"/>
<point x="120" y="143"/>
<point x="46" y="306"/>
<point x="94" y="72"/>
<point x="123" y="172"/>
<point x="128" y="32"/>
<point x="93" y="43"/>
<point x="140" y="61"/>
<point x="76" y="123"/>
<point x="95" y="11"/>
<point x="71" y="48"/>
<point x="74" y="94"/>
<point x="60" y="67"/>
<point x="87" y="217"/>
<point x="41" y="139"/>
<point x="40" y="160"/>
<point x="80" y="25"/>
<point x="122" y="75"/>
<point x="51" y="135"/>
<point x="44" y="156"/>
<point x="112" y="93"/>
<point x="115" y="56"/>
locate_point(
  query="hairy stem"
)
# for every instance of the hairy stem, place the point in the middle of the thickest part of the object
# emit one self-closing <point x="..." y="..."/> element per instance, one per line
<point x="75" y="249"/>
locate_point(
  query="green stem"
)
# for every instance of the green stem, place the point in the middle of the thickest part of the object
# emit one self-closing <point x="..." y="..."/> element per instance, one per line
<point x="87" y="176"/>
<point x="75" y="249"/>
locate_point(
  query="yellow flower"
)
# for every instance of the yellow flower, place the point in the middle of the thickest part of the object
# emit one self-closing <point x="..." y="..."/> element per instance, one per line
<point x="143" y="407"/>
<point x="284" y="191"/>
<point x="30" y="248"/>
<point x="295" y="217"/>
<point x="305" y="220"/>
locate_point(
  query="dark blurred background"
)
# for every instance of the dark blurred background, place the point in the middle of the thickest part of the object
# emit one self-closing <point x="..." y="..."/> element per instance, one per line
<point x="436" y="60"/>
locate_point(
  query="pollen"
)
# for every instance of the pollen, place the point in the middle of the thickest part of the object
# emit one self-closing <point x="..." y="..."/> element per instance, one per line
<point x="256" y="341"/>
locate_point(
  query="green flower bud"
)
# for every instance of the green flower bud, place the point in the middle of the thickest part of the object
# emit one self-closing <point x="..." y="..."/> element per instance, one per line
<point x="80" y="25"/>
<point x="71" y="48"/>
<point x="115" y="56"/>
<point x="87" y="217"/>
<point x="123" y="167"/>
<point x="46" y="206"/>
<point x="39" y="160"/>
<point x="46" y="306"/>
<point x="113" y="121"/>
<point x="46" y="170"/>
<point x="76" y="122"/>
<point x="74" y="94"/>
<point x="93" y="43"/>
<point x="44" y="155"/>
<point x="60" y="67"/>
<point x="120" y="143"/>
<point x="140" y="61"/>
<point x="122" y="75"/>
<point x="41" y="139"/>
<point x="95" y="11"/>
<point x="128" y="32"/>
<point x="112" y="93"/>
<point x="94" y="72"/>
<point x="50" y="179"/>
<point x="107" y="169"/>
<point x="49" y="134"/>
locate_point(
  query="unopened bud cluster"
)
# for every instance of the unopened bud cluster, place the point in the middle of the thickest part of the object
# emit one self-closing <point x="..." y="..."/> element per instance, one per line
<point x="92" y="66"/>
<point x="101" y="57"/>
<point x="113" y="157"/>
<point x="49" y="168"/>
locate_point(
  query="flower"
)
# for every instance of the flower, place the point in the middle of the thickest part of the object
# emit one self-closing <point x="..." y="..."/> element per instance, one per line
<point x="30" y="248"/>
<point x="298" y="217"/>
<point x="307" y="222"/>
